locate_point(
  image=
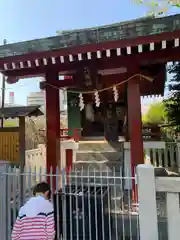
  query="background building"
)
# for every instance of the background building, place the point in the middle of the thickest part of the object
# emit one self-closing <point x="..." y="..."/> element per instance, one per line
<point x="39" y="98"/>
<point x="36" y="98"/>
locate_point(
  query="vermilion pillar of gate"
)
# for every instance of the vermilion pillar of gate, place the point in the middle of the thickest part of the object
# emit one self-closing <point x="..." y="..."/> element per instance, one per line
<point x="135" y="126"/>
<point x="53" y="157"/>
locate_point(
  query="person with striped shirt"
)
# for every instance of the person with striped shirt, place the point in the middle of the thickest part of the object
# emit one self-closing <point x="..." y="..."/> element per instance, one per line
<point x="36" y="218"/>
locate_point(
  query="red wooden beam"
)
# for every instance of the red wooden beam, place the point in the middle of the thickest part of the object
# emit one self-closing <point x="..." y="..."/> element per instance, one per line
<point x="57" y="83"/>
<point x="146" y="58"/>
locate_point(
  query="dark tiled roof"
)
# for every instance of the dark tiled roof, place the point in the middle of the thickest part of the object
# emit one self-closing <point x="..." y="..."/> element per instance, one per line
<point x="25" y="111"/>
<point x="123" y="30"/>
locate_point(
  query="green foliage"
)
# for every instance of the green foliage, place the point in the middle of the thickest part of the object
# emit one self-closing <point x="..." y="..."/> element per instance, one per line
<point x="172" y="104"/>
<point x="157" y="7"/>
<point x="155" y="115"/>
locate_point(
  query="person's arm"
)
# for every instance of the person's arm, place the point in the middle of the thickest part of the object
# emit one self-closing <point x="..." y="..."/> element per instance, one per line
<point x="50" y="224"/>
<point x="16" y="229"/>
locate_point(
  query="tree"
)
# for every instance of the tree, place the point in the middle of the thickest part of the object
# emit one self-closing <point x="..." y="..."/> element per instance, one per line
<point x="157" y="7"/>
<point x="156" y="114"/>
<point x="172" y="104"/>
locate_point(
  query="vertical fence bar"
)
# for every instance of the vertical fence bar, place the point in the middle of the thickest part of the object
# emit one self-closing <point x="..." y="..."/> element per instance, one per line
<point x="65" y="193"/>
<point x="29" y="180"/>
<point x="102" y="203"/>
<point x="166" y="157"/>
<point x="178" y="156"/>
<point x="21" y="185"/>
<point x="173" y="215"/>
<point x="155" y="163"/>
<point x="95" y="204"/>
<point x="130" y="195"/>
<point x="115" y="203"/>
<point x="5" y="207"/>
<point x="89" y="204"/>
<point x="9" y="178"/>
<point x="18" y="198"/>
<point x="147" y="197"/>
<point x="77" y="204"/>
<point x="109" y="203"/>
<point x="3" y="204"/>
<point x="51" y="177"/>
<point x="25" y="188"/>
<point x="57" y="203"/>
<point x="14" y="201"/>
<point x="70" y="203"/>
<point x="40" y="174"/>
<point x="122" y="203"/>
<point x="83" y="199"/>
<point x="34" y="176"/>
<point x="45" y="174"/>
<point x="172" y="162"/>
<point x="160" y="158"/>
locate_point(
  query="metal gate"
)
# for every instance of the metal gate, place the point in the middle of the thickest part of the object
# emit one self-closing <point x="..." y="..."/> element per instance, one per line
<point x="89" y="203"/>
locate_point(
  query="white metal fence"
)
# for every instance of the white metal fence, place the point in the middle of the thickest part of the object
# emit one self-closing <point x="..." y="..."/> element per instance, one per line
<point x="94" y="204"/>
<point x="89" y="203"/>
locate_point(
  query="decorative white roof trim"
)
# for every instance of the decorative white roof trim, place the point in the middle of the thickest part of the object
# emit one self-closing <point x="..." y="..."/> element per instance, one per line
<point x="128" y="50"/>
<point x="29" y="63"/>
<point x="21" y="65"/>
<point x="5" y="66"/>
<point x="45" y="61"/>
<point x="62" y="59"/>
<point x="151" y="46"/>
<point x="98" y="54"/>
<point x="71" y="58"/>
<point x="164" y="44"/>
<point x="176" y="42"/>
<point x="118" y="52"/>
<point x="53" y="60"/>
<point x="89" y="55"/>
<point x="140" y="48"/>
<point x="79" y="56"/>
<point x="37" y="63"/>
<point x="13" y="65"/>
<point x="108" y="53"/>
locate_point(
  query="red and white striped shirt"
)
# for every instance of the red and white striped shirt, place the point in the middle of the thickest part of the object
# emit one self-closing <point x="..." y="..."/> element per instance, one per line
<point x="35" y="221"/>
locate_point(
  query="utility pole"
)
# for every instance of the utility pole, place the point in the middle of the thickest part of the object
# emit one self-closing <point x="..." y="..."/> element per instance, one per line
<point x="3" y="91"/>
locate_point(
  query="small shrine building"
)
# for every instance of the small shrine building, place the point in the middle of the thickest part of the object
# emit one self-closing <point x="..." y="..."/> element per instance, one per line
<point x="110" y="68"/>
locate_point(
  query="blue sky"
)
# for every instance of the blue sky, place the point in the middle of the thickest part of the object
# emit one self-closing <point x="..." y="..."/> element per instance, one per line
<point x="24" y="20"/>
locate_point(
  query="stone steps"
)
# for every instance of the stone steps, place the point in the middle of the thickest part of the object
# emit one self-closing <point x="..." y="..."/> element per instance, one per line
<point x="101" y="163"/>
<point x="98" y="156"/>
<point x="99" y="151"/>
<point x="100" y="146"/>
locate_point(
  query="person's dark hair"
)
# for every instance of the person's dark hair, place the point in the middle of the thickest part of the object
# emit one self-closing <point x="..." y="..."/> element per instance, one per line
<point x="42" y="187"/>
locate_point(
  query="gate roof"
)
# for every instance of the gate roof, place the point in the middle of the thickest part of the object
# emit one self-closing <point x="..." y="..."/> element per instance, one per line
<point x="85" y="44"/>
<point x="20" y="111"/>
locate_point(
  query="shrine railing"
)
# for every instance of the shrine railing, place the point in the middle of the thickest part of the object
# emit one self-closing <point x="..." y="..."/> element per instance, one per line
<point x="151" y="133"/>
<point x="70" y="133"/>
